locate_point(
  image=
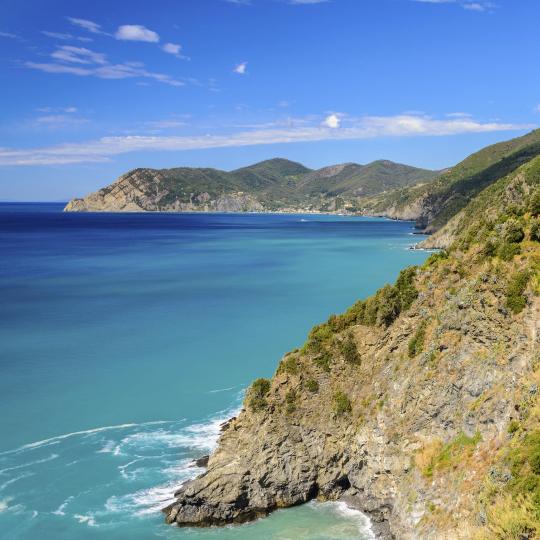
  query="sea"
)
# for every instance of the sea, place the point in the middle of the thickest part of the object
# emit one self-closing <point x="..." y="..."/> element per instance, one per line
<point x="127" y="339"/>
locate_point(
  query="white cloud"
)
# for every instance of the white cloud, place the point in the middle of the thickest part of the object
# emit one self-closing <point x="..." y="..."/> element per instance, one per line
<point x="537" y="108"/>
<point x="369" y="127"/>
<point x="332" y="121"/>
<point x="298" y="2"/>
<point x="479" y="6"/>
<point x="241" y="68"/>
<point x="62" y="36"/>
<point x="459" y="115"/>
<point x="60" y="120"/>
<point x="78" y="55"/>
<point x="174" y="48"/>
<point x="87" y="63"/>
<point x="136" y="32"/>
<point x="91" y="26"/>
<point x="8" y="35"/>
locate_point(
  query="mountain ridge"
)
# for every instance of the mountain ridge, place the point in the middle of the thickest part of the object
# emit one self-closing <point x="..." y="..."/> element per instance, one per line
<point x="272" y="185"/>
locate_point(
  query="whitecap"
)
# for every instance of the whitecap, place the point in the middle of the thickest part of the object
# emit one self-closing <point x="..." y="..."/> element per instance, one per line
<point x="88" y="519"/>
<point x="53" y="440"/>
<point x="12" y="480"/>
<point x="362" y="521"/>
<point x="60" y="510"/>
<point x="36" y="462"/>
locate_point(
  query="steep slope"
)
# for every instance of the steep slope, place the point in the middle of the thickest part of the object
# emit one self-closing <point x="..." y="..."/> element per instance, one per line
<point x="419" y="405"/>
<point x="436" y="203"/>
<point x="276" y="184"/>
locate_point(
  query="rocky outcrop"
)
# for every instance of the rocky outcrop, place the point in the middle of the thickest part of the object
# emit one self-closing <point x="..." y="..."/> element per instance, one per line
<point x="402" y="405"/>
<point x="459" y="386"/>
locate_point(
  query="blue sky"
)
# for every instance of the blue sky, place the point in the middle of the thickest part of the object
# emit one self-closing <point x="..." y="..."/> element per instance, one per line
<point x="92" y="89"/>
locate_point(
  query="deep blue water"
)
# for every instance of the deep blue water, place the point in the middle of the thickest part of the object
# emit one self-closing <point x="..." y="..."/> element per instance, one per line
<point x="125" y="339"/>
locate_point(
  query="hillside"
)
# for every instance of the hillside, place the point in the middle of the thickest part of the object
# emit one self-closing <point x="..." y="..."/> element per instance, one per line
<point x="434" y="204"/>
<point x="419" y="405"/>
<point x="272" y="185"/>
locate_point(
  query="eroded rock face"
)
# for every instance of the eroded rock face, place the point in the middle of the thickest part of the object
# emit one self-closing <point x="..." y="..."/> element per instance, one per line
<point x="461" y="385"/>
<point x="145" y="190"/>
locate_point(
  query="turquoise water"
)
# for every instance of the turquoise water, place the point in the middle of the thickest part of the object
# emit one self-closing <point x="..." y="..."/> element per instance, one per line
<point x="127" y="339"/>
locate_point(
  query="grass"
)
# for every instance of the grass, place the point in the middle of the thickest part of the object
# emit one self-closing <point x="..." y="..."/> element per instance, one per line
<point x="416" y="344"/>
<point x="437" y="456"/>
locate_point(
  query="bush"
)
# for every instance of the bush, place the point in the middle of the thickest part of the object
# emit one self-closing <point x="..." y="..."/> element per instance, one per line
<point x="323" y="361"/>
<point x="535" y="230"/>
<point x="515" y="299"/>
<point x="416" y="344"/>
<point x="513" y="231"/>
<point x="312" y="385"/>
<point x="349" y="350"/>
<point x="289" y="365"/>
<point x="342" y="404"/>
<point x="290" y="400"/>
<point x="534" y="206"/>
<point x="257" y="394"/>
<point x="507" y="251"/>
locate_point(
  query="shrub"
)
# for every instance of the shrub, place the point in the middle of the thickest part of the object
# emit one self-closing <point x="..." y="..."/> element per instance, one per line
<point x="257" y="394"/>
<point x="323" y="361"/>
<point x="515" y="299"/>
<point x="513" y="426"/>
<point x="405" y="284"/>
<point x="535" y="230"/>
<point x="416" y="344"/>
<point x="434" y="258"/>
<point x="513" y="231"/>
<point x="290" y="400"/>
<point x="507" y="251"/>
<point x="312" y="385"/>
<point x="534" y="205"/>
<point x="342" y="404"/>
<point x="349" y="350"/>
<point x="289" y="365"/>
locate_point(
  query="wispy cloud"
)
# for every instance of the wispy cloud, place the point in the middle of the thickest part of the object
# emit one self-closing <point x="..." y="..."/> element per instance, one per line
<point x="90" y="26"/>
<point x="136" y="32"/>
<point x="9" y="35"/>
<point x="241" y="68"/>
<point x="78" y="55"/>
<point x="470" y="5"/>
<point x="369" y="127"/>
<point x="298" y="2"/>
<point x="65" y="36"/>
<point x="84" y="62"/>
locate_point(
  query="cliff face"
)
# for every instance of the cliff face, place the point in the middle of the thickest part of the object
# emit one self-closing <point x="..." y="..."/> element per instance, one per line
<point x="402" y="405"/>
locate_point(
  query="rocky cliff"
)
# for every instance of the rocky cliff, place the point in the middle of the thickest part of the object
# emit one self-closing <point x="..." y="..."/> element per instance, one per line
<point x="419" y="406"/>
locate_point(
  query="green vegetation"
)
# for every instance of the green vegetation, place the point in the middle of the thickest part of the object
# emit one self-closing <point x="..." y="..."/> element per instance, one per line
<point x="416" y="344"/>
<point x="349" y="350"/>
<point x="257" y="394"/>
<point x="342" y="403"/>
<point x="515" y="299"/>
<point x="535" y="229"/>
<point x="451" y="454"/>
<point x="290" y="400"/>
<point x="312" y="385"/>
<point x="455" y="188"/>
<point x="289" y="365"/>
<point x="524" y="462"/>
<point x="323" y="361"/>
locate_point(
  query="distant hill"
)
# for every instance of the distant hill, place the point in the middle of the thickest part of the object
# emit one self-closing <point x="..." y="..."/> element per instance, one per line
<point x="434" y="204"/>
<point x="271" y="185"/>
